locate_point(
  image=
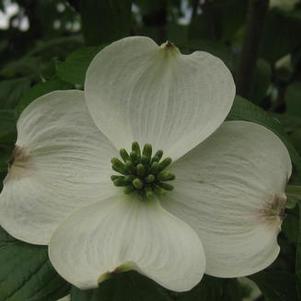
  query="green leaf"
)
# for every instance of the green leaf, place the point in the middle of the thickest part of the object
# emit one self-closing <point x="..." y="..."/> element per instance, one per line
<point x="293" y="99"/>
<point x="105" y="21"/>
<point x="8" y="120"/>
<point x="177" y="33"/>
<point x="296" y="139"/>
<point x="216" y="48"/>
<point x="152" y="16"/>
<point x="26" y="273"/>
<point x="290" y="226"/>
<point x="73" y="70"/>
<point x="298" y="256"/>
<point x="129" y="286"/>
<point x="294" y="191"/>
<point x="40" y="61"/>
<point x="5" y="155"/>
<point x="56" y="47"/>
<point x="281" y="34"/>
<point x="7" y="138"/>
<point x="242" y="109"/>
<point x="261" y="82"/>
<point x="214" y="289"/>
<point x="276" y="285"/>
<point x="41" y="89"/>
<point x="150" y="7"/>
<point x="25" y="66"/>
<point x="12" y="90"/>
<point x="219" y="20"/>
<point x="290" y="123"/>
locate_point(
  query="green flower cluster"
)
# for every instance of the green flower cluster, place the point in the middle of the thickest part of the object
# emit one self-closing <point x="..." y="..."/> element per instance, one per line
<point x="141" y="172"/>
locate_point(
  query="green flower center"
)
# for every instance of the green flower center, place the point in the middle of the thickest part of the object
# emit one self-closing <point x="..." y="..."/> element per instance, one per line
<point x="141" y="172"/>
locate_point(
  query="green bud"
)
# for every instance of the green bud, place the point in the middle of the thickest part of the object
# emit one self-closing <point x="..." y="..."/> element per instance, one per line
<point x="140" y="170"/>
<point x="158" y="190"/>
<point x="166" y="162"/>
<point x="124" y="155"/>
<point x="128" y="179"/>
<point x="149" y="192"/>
<point x="115" y="177"/>
<point x="157" y="157"/>
<point x="134" y="157"/>
<point x="150" y="178"/>
<point x="166" y="186"/>
<point x="147" y="151"/>
<point x="118" y="166"/>
<point x="129" y="167"/>
<point x="120" y="182"/>
<point x="155" y="168"/>
<point x="128" y="189"/>
<point x="145" y="160"/>
<point x="165" y="176"/>
<point x="137" y="183"/>
<point x="136" y="149"/>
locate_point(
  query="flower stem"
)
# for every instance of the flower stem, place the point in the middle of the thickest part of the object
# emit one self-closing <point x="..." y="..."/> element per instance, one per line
<point x="257" y="11"/>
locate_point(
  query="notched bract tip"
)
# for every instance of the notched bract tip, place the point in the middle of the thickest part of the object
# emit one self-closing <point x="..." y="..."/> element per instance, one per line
<point x="273" y="212"/>
<point x="169" y="44"/>
<point x="170" y="48"/>
<point x="18" y="163"/>
<point x="126" y="267"/>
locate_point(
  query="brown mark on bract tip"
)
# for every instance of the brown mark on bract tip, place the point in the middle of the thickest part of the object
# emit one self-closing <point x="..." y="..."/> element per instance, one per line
<point x="128" y="266"/>
<point x="273" y="212"/>
<point x="169" y="49"/>
<point x="169" y="45"/>
<point x="18" y="163"/>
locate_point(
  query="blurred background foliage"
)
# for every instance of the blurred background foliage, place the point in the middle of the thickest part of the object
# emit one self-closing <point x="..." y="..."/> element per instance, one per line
<point x="47" y="45"/>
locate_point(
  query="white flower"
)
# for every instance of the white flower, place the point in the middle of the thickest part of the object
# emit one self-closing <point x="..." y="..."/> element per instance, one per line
<point x="228" y="197"/>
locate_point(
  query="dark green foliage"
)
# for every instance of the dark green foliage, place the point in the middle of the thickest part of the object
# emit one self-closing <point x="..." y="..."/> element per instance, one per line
<point x="41" y="89"/>
<point x="74" y="68"/>
<point x="242" y="109"/>
<point x="276" y="285"/>
<point x="293" y="101"/>
<point x="221" y="20"/>
<point x="215" y="289"/>
<point x="281" y="34"/>
<point x="128" y="286"/>
<point x="105" y="21"/>
<point x="26" y="273"/>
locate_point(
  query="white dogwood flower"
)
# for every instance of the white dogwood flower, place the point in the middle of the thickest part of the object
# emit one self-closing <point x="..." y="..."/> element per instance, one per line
<point x="186" y="190"/>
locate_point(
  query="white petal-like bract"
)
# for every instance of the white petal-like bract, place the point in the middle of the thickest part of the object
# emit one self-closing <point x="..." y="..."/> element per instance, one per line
<point x="61" y="162"/>
<point x="230" y="190"/>
<point x="139" y="91"/>
<point x="67" y="298"/>
<point x="124" y="233"/>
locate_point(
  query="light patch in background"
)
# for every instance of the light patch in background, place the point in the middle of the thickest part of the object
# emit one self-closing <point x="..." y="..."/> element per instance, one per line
<point x="67" y="298"/>
<point x="186" y="9"/>
<point x="187" y="13"/>
<point x="251" y="287"/>
<point x="283" y="4"/>
<point x="10" y="10"/>
<point x="60" y="7"/>
<point x="136" y="12"/>
<point x="57" y="24"/>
